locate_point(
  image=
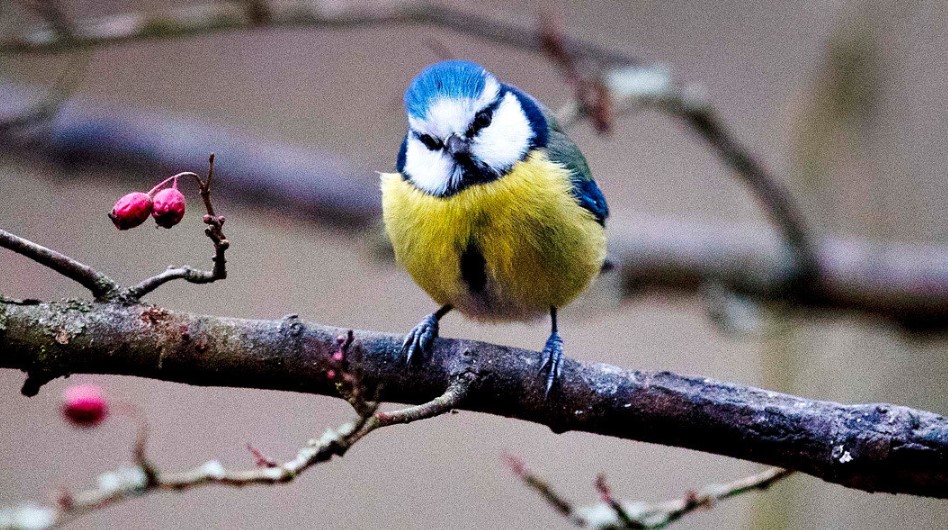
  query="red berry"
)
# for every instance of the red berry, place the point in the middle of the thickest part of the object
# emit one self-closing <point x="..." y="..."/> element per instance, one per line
<point x="131" y="210"/>
<point x="85" y="405"/>
<point x="169" y="207"/>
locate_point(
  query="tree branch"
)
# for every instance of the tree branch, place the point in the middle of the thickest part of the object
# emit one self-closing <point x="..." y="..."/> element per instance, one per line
<point x="906" y="284"/>
<point x="627" y="88"/>
<point x="100" y="285"/>
<point x="873" y="447"/>
<point x="132" y="482"/>
<point x="202" y="19"/>
<point x="214" y="231"/>
<point x="613" y="513"/>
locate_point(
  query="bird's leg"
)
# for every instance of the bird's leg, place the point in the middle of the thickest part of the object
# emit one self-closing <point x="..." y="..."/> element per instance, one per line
<point x="552" y="355"/>
<point x="422" y="336"/>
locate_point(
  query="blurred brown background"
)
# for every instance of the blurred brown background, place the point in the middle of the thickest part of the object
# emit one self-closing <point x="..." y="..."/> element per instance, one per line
<point x="768" y="67"/>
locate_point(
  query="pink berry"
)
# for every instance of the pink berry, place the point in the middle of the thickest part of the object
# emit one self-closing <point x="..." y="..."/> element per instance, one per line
<point x="85" y="405"/>
<point x="131" y="210"/>
<point x="169" y="207"/>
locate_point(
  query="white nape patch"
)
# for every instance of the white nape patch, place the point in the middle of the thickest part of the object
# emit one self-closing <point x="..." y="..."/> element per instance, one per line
<point x="431" y="171"/>
<point x="504" y="142"/>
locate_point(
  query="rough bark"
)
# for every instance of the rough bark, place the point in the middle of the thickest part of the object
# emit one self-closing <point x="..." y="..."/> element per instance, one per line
<point x="872" y="447"/>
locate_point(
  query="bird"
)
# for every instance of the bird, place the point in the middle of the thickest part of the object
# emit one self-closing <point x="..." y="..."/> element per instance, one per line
<point x="492" y="208"/>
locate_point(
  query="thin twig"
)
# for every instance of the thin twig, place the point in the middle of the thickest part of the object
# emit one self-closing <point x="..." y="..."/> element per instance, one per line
<point x="214" y="231"/>
<point x="543" y="488"/>
<point x="634" y="87"/>
<point x="773" y="196"/>
<point x="143" y="478"/>
<point x="101" y="286"/>
<point x="605" y="493"/>
<point x="612" y="513"/>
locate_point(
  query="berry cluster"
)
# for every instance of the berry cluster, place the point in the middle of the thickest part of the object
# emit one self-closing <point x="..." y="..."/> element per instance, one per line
<point x="165" y="204"/>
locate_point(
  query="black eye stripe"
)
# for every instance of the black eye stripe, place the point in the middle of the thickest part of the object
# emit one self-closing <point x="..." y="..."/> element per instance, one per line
<point x="483" y="118"/>
<point x="429" y="141"/>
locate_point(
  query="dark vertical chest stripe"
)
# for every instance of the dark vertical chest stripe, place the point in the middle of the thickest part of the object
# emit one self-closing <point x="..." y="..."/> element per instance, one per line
<point x="473" y="270"/>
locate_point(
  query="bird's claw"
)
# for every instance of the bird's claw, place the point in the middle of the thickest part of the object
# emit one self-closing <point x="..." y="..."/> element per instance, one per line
<point x="551" y="361"/>
<point x="420" y="338"/>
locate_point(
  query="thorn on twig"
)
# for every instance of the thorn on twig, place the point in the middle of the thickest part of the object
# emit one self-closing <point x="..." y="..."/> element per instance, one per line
<point x="539" y="485"/>
<point x="260" y="459"/>
<point x="346" y="370"/>
<point x="65" y="500"/>
<point x="605" y="494"/>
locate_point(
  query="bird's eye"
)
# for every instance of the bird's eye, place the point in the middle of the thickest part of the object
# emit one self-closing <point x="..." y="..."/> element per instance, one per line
<point x="481" y="119"/>
<point x="430" y="142"/>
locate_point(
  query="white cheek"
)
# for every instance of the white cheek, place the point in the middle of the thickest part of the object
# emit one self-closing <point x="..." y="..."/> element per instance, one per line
<point x="505" y="141"/>
<point x="432" y="171"/>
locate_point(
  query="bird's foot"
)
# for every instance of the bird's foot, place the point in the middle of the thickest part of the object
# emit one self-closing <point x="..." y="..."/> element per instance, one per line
<point x="551" y="361"/>
<point x="420" y="339"/>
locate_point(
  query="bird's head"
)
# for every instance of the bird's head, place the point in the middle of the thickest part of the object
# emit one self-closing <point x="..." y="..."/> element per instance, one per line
<point x="465" y="127"/>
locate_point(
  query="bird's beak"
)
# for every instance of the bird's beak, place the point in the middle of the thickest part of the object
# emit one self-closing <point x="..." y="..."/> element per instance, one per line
<point x="456" y="145"/>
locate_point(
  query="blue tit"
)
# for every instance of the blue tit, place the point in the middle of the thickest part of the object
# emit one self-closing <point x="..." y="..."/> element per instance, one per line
<point x="493" y="210"/>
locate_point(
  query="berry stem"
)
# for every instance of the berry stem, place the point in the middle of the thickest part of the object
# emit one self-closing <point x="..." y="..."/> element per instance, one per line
<point x="175" y="178"/>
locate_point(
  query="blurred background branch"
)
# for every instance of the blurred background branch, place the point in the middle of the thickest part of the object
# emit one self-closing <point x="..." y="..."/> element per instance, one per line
<point x="201" y="19"/>
<point x="903" y="283"/>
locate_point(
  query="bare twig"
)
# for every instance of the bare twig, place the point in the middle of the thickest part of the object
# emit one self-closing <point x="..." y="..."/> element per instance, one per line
<point x="214" y="232"/>
<point x="543" y="488"/>
<point x="613" y="513"/>
<point x="143" y="478"/>
<point x="768" y="190"/>
<point x="633" y="87"/>
<point x="101" y="286"/>
<point x="605" y="493"/>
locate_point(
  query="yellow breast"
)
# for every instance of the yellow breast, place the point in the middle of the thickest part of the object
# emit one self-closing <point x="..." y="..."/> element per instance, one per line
<point x="539" y="247"/>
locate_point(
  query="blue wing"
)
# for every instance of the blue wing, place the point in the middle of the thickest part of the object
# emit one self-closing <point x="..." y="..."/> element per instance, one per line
<point x="560" y="148"/>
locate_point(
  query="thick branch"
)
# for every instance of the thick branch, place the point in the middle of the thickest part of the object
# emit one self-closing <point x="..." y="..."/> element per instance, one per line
<point x="873" y="447"/>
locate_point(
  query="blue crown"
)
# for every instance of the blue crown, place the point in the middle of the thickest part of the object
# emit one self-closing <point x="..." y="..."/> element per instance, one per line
<point x="453" y="79"/>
